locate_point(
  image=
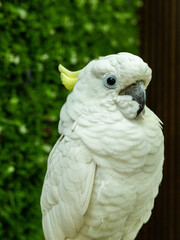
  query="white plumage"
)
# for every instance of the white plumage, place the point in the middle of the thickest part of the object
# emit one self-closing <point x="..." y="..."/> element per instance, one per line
<point x="104" y="172"/>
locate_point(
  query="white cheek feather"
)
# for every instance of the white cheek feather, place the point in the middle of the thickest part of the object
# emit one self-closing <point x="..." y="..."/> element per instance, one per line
<point x="127" y="106"/>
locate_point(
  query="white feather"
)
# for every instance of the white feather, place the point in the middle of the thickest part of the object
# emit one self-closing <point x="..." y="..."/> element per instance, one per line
<point x="104" y="172"/>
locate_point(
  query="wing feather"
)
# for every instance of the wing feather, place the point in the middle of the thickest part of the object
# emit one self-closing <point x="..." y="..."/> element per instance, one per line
<point x="67" y="189"/>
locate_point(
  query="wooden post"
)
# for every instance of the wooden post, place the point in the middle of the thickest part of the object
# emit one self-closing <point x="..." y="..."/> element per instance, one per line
<point x="160" y="48"/>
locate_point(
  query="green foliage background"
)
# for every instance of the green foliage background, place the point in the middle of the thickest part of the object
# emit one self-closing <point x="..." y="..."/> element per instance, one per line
<point x="35" y="36"/>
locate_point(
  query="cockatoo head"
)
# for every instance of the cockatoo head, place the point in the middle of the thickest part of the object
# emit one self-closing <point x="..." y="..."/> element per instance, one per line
<point x="116" y="81"/>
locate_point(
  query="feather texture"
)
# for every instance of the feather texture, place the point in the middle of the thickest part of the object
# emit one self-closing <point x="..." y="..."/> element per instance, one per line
<point x="104" y="172"/>
<point x="67" y="189"/>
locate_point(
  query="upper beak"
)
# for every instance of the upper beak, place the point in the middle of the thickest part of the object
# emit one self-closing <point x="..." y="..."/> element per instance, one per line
<point x="138" y="93"/>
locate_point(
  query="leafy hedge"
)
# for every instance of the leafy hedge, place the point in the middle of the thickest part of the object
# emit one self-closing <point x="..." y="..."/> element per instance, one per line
<point x="35" y="36"/>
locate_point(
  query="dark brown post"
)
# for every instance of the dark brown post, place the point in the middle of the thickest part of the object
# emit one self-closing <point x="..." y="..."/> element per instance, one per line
<point x="160" y="47"/>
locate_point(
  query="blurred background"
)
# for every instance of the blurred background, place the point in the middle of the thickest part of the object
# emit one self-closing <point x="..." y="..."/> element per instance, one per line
<point x="35" y="36"/>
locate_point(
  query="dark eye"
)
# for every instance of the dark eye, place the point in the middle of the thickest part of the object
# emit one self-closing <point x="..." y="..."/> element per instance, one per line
<point x="110" y="81"/>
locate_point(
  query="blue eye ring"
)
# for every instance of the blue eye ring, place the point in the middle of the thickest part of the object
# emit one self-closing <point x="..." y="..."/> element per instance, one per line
<point x="110" y="81"/>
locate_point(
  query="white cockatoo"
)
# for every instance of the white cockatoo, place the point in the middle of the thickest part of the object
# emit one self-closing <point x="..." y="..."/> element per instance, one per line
<point x="104" y="171"/>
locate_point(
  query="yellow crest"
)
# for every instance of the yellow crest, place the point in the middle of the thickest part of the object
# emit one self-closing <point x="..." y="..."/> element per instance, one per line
<point x="68" y="78"/>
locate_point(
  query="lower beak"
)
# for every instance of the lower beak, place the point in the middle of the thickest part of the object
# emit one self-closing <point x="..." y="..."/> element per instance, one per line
<point x="138" y="93"/>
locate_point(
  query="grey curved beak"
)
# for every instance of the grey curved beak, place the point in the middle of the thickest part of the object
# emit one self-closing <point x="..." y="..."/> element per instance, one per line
<point x="138" y="93"/>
